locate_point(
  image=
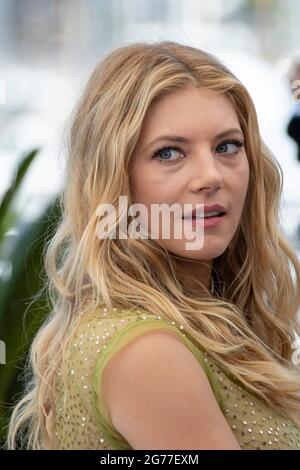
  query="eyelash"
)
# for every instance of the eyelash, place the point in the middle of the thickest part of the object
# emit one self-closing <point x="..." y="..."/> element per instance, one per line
<point x="156" y="154"/>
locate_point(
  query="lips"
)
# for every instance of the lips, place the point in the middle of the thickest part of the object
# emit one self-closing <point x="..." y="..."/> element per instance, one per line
<point x="208" y="222"/>
<point x="209" y="216"/>
<point x="216" y="210"/>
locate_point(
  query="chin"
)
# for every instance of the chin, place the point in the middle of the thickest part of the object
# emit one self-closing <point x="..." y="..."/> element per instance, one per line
<point x="201" y="256"/>
<point x="204" y="254"/>
<point x="210" y="250"/>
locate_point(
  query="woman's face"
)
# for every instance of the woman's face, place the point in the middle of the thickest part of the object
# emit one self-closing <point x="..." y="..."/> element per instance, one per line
<point x="204" y="169"/>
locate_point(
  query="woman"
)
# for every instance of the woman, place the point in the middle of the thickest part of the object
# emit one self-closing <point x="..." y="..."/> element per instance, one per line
<point x="151" y="344"/>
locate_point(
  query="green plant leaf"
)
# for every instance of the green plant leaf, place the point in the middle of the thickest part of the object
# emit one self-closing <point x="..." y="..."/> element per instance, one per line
<point x="17" y="329"/>
<point x="6" y="219"/>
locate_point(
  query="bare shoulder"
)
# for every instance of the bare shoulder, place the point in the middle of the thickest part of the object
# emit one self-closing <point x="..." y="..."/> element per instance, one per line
<point x="159" y="396"/>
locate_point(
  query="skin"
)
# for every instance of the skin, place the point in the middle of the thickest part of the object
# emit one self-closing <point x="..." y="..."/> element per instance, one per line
<point x="199" y="172"/>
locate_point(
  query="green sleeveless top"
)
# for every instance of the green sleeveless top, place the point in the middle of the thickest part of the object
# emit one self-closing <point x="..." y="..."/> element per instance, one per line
<point x="81" y="420"/>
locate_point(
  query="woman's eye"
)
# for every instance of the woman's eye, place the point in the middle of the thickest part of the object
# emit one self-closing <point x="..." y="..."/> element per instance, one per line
<point x="164" y="154"/>
<point x="238" y="144"/>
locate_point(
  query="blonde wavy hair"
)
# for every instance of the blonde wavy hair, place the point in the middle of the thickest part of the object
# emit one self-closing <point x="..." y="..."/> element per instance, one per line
<point x="246" y="319"/>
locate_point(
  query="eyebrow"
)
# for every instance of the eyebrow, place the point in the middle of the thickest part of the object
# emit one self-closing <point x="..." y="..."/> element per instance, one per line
<point x="178" y="138"/>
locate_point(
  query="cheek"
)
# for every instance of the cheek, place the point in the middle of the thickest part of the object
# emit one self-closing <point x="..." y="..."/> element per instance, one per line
<point x="153" y="187"/>
<point x="241" y="183"/>
<point x="240" y="175"/>
<point x="245" y="178"/>
<point x="141" y="185"/>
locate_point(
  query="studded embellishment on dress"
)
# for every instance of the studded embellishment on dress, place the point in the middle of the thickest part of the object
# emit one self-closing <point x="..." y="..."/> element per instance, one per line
<point x="76" y="425"/>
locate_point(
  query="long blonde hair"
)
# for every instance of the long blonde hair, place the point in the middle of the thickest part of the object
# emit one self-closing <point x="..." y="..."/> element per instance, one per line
<point x="245" y="321"/>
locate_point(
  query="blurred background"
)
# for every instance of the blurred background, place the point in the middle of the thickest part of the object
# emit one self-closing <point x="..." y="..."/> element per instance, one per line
<point x="48" y="49"/>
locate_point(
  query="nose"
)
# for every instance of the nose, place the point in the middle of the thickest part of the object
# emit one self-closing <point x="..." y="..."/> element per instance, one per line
<point x="206" y="175"/>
